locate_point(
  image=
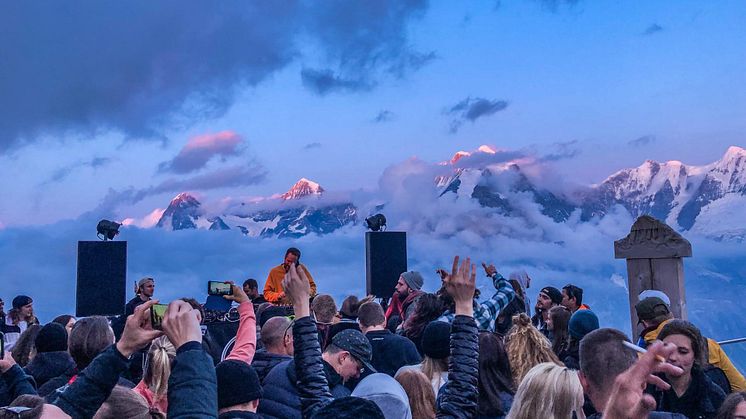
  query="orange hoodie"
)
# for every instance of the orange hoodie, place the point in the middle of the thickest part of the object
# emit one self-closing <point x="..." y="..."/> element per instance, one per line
<point x="273" y="286"/>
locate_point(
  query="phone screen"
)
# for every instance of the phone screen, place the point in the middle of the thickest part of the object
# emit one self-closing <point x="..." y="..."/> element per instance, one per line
<point x="219" y="288"/>
<point x="157" y="311"/>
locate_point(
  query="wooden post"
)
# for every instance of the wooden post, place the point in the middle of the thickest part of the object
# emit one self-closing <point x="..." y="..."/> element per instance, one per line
<point x="654" y="253"/>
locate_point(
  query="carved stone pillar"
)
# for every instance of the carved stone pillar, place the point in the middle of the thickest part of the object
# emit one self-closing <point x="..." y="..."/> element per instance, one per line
<point x="653" y="251"/>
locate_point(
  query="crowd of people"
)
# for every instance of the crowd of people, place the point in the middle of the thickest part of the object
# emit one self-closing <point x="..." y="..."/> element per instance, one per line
<point x="450" y="354"/>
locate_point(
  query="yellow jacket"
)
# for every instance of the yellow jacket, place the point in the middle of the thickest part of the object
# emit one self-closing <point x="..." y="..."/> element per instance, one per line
<point x="273" y="286"/>
<point x="716" y="357"/>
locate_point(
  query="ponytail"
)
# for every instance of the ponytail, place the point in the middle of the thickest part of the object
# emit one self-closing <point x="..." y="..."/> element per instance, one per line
<point x="158" y="370"/>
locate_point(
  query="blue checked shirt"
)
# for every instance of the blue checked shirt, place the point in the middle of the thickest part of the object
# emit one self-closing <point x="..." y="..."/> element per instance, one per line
<point x="486" y="312"/>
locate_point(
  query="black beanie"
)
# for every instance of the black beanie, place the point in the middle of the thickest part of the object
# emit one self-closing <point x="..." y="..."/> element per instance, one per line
<point x="349" y="407"/>
<point x="554" y="294"/>
<point x="51" y="338"/>
<point x="237" y="383"/>
<point x="436" y="340"/>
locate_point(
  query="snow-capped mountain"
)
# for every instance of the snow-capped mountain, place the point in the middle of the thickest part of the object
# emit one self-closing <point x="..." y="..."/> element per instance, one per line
<point x="303" y="188"/>
<point x="296" y="213"/>
<point x="708" y="199"/>
<point x="184" y="212"/>
<point x="682" y="195"/>
<point x="670" y="191"/>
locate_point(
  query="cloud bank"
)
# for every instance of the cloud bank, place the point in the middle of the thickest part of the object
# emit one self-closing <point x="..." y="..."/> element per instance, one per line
<point x="471" y="109"/>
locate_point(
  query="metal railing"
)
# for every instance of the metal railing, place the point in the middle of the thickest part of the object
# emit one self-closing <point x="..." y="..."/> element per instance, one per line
<point x="729" y="341"/>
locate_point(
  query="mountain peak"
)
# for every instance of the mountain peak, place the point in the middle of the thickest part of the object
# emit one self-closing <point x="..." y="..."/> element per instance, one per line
<point x="734" y="152"/>
<point x="303" y="188"/>
<point x="184" y="198"/>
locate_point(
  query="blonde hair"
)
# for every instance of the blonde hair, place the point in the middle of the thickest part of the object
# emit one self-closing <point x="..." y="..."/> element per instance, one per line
<point x="432" y="368"/>
<point x="527" y="347"/>
<point x="158" y="370"/>
<point x="420" y="393"/>
<point x="548" y="391"/>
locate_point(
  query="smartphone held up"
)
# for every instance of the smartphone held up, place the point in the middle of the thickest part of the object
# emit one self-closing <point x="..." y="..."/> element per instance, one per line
<point x="157" y="312"/>
<point x="219" y="288"/>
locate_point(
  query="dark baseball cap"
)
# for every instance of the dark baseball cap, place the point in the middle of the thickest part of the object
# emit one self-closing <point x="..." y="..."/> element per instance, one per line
<point x="650" y="308"/>
<point x="354" y="342"/>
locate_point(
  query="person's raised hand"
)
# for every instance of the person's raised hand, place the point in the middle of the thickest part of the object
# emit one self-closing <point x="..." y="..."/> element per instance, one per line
<point x="298" y="289"/>
<point x="461" y="284"/>
<point x="181" y="323"/>
<point x="138" y="332"/>
<point x="238" y="295"/>
<point x="489" y="269"/>
<point x="7" y="362"/>
<point x="628" y="398"/>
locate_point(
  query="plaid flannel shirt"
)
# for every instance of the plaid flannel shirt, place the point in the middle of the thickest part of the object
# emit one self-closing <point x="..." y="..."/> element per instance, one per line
<point x="486" y="312"/>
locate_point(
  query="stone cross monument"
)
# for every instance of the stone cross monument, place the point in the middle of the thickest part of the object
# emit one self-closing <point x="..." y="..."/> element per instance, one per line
<point x="653" y="251"/>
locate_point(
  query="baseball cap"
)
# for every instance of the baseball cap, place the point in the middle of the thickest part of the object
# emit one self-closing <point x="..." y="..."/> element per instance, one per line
<point x="354" y="342"/>
<point x="650" y="308"/>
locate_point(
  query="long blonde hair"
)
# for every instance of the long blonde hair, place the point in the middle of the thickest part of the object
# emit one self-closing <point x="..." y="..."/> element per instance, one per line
<point x="420" y="393"/>
<point x="527" y="347"/>
<point x="432" y="368"/>
<point x="548" y="391"/>
<point x="158" y="370"/>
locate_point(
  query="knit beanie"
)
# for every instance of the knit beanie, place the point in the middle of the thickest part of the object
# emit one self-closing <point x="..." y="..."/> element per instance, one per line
<point x="51" y="338"/>
<point x="553" y="293"/>
<point x="349" y="407"/>
<point x="582" y="322"/>
<point x="21" y="300"/>
<point x="238" y="383"/>
<point x="436" y="340"/>
<point x="413" y="279"/>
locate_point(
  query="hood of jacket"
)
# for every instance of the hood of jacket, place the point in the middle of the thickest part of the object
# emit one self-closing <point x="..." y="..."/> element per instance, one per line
<point x="387" y="393"/>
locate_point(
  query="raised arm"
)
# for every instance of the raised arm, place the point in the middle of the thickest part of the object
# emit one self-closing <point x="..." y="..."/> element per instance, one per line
<point x="193" y="386"/>
<point x="459" y="394"/>
<point x="245" y="346"/>
<point x="17" y="382"/>
<point x="313" y="388"/>
<point x="487" y="311"/>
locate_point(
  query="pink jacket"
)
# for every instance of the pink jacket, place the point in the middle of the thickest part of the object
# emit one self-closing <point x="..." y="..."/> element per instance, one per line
<point x="245" y="346"/>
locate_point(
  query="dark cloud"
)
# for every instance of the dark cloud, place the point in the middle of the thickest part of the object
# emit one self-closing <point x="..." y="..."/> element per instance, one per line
<point x="63" y="172"/>
<point x="139" y="67"/>
<point x="563" y="151"/>
<point x="199" y="150"/>
<point x="383" y="116"/>
<point x="251" y="173"/>
<point x="652" y="29"/>
<point x="471" y="109"/>
<point x="644" y="140"/>
<point x="323" y="82"/>
<point x="311" y="146"/>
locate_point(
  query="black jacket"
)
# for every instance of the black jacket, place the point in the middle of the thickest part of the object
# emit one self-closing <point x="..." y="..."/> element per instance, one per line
<point x="281" y="395"/>
<point x="47" y="365"/>
<point x="264" y="361"/>
<point x="193" y="386"/>
<point x="49" y="388"/>
<point x="701" y="400"/>
<point x="458" y="396"/>
<point x="14" y="383"/>
<point x="237" y="414"/>
<point x="391" y="352"/>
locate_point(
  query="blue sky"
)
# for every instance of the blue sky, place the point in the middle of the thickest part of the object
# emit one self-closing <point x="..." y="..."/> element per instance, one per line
<point x="98" y="99"/>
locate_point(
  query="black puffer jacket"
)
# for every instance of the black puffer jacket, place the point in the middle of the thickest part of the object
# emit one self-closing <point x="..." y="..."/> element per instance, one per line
<point x="264" y="361"/>
<point x="48" y="365"/>
<point x="313" y="389"/>
<point x="458" y="397"/>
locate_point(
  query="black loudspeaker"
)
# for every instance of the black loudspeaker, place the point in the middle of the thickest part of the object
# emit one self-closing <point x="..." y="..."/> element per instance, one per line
<point x="385" y="260"/>
<point x="102" y="278"/>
